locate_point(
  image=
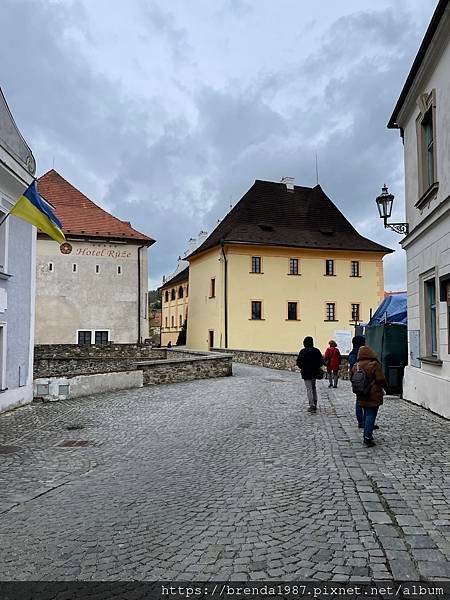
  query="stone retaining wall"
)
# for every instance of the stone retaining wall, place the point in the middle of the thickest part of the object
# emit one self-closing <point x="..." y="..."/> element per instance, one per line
<point x="285" y="361"/>
<point x="66" y="360"/>
<point x="186" y="366"/>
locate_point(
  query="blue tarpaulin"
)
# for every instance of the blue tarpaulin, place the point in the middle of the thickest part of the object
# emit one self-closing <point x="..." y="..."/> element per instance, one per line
<point x="391" y="310"/>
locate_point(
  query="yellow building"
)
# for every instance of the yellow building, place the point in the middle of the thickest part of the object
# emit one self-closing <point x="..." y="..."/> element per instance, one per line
<point x="284" y="263"/>
<point x="174" y="302"/>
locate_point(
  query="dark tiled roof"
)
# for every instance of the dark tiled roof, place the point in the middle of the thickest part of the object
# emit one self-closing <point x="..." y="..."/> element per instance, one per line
<point x="178" y="278"/>
<point x="270" y="214"/>
<point x="80" y="216"/>
<point x="429" y="34"/>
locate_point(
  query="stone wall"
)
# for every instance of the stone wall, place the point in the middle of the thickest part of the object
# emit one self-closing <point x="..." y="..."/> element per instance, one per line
<point x="186" y="367"/>
<point x="51" y="389"/>
<point x="285" y="361"/>
<point x="56" y="360"/>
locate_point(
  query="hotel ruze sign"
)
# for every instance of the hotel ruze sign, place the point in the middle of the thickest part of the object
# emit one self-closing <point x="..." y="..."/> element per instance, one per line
<point x="96" y="251"/>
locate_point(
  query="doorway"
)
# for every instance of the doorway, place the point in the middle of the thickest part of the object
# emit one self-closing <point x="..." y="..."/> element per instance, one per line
<point x="211" y="339"/>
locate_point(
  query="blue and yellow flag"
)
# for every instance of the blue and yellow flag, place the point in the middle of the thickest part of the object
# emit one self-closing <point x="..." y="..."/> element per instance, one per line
<point x="32" y="208"/>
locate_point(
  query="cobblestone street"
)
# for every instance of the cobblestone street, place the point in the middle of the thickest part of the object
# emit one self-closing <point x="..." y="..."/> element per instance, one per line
<point x="223" y="479"/>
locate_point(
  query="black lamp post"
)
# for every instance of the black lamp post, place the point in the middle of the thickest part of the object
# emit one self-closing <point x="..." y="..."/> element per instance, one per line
<point x="384" y="204"/>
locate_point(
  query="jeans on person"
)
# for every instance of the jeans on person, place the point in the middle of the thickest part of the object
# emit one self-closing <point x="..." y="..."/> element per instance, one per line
<point x="359" y="413"/>
<point x="311" y="392"/>
<point x="370" y="414"/>
<point x="333" y="377"/>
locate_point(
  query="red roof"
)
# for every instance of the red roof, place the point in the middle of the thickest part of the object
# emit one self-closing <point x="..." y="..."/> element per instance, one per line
<point x="80" y="216"/>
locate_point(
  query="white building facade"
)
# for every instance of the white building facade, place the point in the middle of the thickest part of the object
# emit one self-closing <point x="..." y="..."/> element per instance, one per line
<point x="93" y="289"/>
<point x="423" y="117"/>
<point x="17" y="268"/>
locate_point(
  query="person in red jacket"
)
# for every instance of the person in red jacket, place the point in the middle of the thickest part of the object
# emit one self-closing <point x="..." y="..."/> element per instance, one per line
<point x="332" y="359"/>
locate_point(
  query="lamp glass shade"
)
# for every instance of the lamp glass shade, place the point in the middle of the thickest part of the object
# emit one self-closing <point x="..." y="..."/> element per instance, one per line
<point x="384" y="204"/>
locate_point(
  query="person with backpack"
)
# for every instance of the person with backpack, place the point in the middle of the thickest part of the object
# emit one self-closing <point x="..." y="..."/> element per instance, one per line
<point x="310" y="361"/>
<point x="332" y="358"/>
<point x="357" y="342"/>
<point x="368" y="383"/>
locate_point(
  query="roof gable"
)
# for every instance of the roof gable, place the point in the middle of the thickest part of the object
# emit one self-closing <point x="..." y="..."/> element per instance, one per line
<point x="270" y="214"/>
<point x="11" y="139"/>
<point x="82" y="217"/>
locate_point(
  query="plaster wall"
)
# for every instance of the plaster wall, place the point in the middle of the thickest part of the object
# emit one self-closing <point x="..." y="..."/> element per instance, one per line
<point x="173" y="308"/>
<point x="274" y="287"/>
<point x="69" y="300"/>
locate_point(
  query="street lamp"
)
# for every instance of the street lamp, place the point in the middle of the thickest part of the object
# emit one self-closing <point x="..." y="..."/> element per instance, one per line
<point x="384" y="204"/>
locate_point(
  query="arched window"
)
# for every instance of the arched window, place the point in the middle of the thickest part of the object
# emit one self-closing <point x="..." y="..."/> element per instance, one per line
<point x="180" y="291"/>
<point x="173" y="321"/>
<point x="166" y="296"/>
<point x="172" y="294"/>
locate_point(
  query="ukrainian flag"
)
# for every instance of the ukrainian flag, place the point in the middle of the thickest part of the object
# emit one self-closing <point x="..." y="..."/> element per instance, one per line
<point x="32" y="208"/>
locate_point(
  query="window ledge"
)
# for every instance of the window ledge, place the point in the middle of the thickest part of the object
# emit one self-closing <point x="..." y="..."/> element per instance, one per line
<point x="427" y="196"/>
<point x="355" y="276"/>
<point x="293" y="320"/>
<point x="329" y="275"/>
<point x="294" y="274"/>
<point x="4" y="275"/>
<point x="256" y="319"/>
<point x="256" y="272"/>
<point x="330" y="320"/>
<point x="431" y="360"/>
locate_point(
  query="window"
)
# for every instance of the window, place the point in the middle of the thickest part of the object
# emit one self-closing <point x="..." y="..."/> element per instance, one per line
<point x="84" y="338"/>
<point x="256" y="310"/>
<point x="430" y="317"/>
<point x="355" y="268"/>
<point x="330" y="311"/>
<point x="212" y="288"/>
<point x="3" y="242"/>
<point x="180" y="292"/>
<point x="173" y="321"/>
<point x="50" y="267"/>
<point x="293" y="266"/>
<point x="119" y="270"/>
<point x="329" y="267"/>
<point x="428" y="149"/>
<point x="292" y="311"/>
<point x="211" y="339"/>
<point x="181" y="320"/>
<point x="97" y="268"/>
<point x="101" y="338"/>
<point x="187" y="290"/>
<point x="166" y="296"/>
<point x="256" y="264"/>
<point x="447" y="297"/>
<point x="355" y="313"/>
<point x="3" y="350"/>
<point x="426" y="145"/>
<point x="167" y="323"/>
<point x="74" y="268"/>
<point x="172" y="294"/>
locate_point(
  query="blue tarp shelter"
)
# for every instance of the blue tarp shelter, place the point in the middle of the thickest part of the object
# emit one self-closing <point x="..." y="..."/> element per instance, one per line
<point x="391" y="310"/>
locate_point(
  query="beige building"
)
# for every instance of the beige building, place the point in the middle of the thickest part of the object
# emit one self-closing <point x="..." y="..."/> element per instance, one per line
<point x="174" y="299"/>
<point x="422" y="116"/>
<point x="284" y="263"/>
<point x="92" y="289"/>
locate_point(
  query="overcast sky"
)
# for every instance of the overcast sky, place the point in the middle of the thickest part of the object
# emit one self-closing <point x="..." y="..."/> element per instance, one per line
<point x="165" y="111"/>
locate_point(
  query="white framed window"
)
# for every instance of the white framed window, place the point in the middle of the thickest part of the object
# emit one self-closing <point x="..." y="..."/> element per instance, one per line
<point x="74" y="267"/>
<point x="87" y="337"/>
<point x="50" y="267"/>
<point x="119" y="269"/>
<point x="97" y="269"/>
<point x="4" y="234"/>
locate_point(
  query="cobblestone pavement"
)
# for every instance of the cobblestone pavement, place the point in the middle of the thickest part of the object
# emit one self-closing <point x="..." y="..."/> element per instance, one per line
<point x="223" y="479"/>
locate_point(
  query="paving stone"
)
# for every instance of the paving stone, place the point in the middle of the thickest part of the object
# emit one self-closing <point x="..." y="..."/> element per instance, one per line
<point x="224" y="479"/>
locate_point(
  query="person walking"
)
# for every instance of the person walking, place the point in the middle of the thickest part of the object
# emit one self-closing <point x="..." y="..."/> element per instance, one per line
<point x="332" y="358"/>
<point x="357" y="342"/>
<point x="368" y="383"/>
<point x="309" y="361"/>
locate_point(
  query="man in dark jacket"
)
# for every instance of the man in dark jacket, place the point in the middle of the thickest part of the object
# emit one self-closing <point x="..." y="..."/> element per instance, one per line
<point x="309" y="361"/>
<point x="357" y="342"/>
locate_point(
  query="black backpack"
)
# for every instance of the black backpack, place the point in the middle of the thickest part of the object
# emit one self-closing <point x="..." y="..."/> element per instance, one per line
<point x="361" y="383"/>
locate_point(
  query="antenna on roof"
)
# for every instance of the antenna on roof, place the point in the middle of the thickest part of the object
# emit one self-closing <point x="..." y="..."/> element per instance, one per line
<point x="317" y="170"/>
<point x="53" y="163"/>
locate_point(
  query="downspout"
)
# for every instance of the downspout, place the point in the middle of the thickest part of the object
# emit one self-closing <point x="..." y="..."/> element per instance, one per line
<point x="139" y="293"/>
<point x="225" y="293"/>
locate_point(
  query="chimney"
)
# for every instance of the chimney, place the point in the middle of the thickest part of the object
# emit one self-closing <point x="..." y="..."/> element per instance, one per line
<point x="289" y="183"/>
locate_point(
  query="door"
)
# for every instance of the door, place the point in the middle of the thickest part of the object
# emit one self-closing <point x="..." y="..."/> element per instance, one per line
<point x="211" y="339"/>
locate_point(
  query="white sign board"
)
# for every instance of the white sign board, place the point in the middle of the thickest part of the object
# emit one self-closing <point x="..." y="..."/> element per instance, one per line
<point x="343" y="339"/>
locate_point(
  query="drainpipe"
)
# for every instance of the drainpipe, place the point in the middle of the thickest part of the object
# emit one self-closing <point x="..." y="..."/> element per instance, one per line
<point x="139" y="293"/>
<point x="225" y="293"/>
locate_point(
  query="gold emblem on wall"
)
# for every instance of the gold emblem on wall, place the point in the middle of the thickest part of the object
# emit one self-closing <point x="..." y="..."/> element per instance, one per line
<point x="65" y="248"/>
